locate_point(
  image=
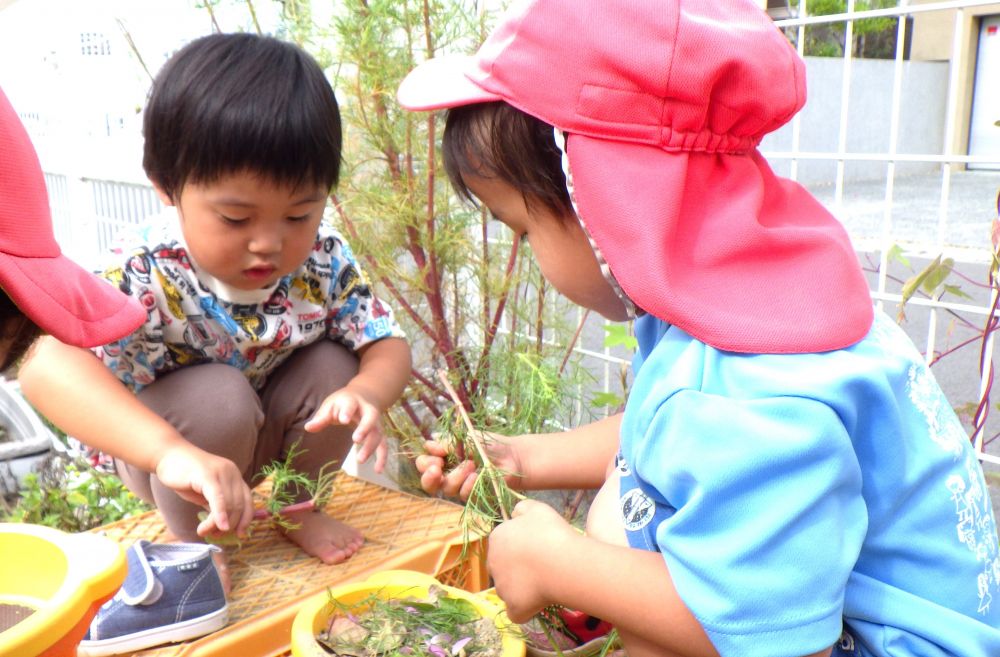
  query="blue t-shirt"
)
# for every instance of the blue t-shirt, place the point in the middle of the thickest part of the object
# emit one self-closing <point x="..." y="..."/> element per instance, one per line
<point x="796" y="497"/>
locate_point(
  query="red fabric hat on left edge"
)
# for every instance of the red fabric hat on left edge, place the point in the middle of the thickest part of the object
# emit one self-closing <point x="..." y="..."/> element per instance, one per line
<point x="663" y="103"/>
<point x="62" y="298"/>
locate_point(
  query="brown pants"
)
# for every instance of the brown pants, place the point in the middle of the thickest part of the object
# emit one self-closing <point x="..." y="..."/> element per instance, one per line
<point x="214" y="407"/>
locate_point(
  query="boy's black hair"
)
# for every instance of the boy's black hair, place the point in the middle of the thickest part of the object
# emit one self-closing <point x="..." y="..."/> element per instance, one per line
<point x="17" y="332"/>
<point x="498" y="140"/>
<point x="229" y="103"/>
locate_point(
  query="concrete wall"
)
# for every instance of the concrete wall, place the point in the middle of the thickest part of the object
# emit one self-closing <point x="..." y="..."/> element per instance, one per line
<point x="921" y="118"/>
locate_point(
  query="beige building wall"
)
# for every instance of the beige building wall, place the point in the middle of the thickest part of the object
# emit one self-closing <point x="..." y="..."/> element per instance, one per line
<point x="932" y="34"/>
<point x="934" y="38"/>
<point x="933" y="31"/>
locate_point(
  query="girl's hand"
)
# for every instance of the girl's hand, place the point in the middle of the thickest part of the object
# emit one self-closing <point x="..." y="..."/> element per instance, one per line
<point x="347" y="406"/>
<point x="460" y="480"/>
<point x="212" y="482"/>
<point x="518" y="553"/>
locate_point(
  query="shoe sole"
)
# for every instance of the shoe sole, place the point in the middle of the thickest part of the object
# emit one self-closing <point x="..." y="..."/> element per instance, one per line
<point x="182" y="631"/>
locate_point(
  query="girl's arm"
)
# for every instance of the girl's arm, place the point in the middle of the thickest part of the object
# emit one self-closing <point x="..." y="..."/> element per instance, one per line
<point x="578" y="458"/>
<point x="76" y="392"/>
<point x="537" y="559"/>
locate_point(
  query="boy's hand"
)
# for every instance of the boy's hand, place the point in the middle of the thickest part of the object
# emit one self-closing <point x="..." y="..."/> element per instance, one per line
<point x="347" y="406"/>
<point x="212" y="482"/>
<point x="518" y="553"/>
<point x="460" y="480"/>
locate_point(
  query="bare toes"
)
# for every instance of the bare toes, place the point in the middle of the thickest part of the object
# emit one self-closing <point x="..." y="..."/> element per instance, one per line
<point x="325" y="538"/>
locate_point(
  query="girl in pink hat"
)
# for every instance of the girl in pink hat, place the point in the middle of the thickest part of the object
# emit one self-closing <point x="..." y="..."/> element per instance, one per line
<point x="787" y="478"/>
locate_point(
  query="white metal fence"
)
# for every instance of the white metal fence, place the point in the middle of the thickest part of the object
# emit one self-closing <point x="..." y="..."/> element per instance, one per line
<point x="88" y="214"/>
<point x="957" y="205"/>
<point x="935" y="208"/>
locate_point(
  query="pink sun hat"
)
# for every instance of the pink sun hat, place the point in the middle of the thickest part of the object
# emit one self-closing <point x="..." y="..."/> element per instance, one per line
<point x="664" y="103"/>
<point x="58" y="295"/>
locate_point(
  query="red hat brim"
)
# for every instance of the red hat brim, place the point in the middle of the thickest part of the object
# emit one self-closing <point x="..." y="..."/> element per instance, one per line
<point x="68" y="302"/>
<point x="57" y="294"/>
<point x="704" y="241"/>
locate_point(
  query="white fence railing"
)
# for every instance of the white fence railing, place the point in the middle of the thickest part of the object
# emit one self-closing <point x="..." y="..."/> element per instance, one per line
<point x="88" y="214"/>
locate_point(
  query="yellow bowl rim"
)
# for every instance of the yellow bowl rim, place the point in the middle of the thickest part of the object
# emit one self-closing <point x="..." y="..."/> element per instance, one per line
<point x="79" y="589"/>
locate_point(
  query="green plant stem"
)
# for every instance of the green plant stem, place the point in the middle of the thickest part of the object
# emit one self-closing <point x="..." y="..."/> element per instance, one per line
<point x="397" y="295"/>
<point x="573" y="341"/>
<point x="609" y="643"/>
<point x="133" y="48"/>
<point x="494" y="325"/>
<point x="474" y="437"/>
<point x="427" y="383"/>
<point x="544" y="623"/>
<point x="211" y="14"/>
<point x="408" y="409"/>
<point x="253" y="16"/>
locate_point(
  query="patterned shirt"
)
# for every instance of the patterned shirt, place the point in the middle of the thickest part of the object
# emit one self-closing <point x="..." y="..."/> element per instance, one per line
<point x="193" y="318"/>
<point x="798" y="498"/>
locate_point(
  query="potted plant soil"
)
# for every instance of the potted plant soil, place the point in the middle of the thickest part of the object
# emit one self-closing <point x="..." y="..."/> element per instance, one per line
<point x="403" y="613"/>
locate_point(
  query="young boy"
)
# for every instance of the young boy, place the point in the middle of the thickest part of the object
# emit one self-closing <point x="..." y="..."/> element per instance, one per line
<point x="789" y="478"/>
<point x="41" y="290"/>
<point x="261" y="332"/>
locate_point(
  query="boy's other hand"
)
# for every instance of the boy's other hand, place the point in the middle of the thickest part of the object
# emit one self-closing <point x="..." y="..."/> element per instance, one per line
<point x="460" y="480"/>
<point x="518" y="552"/>
<point x="212" y="482"/>
<point x="348" y="406"/>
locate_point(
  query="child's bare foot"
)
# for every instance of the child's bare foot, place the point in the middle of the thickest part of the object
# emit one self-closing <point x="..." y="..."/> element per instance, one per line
<point x="321" y="536"/>
<point x="221" y="560"/>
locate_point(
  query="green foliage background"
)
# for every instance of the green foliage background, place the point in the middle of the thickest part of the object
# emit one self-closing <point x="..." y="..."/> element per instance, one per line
<point x="871" y="37"/>
<point x="471" y="300"/>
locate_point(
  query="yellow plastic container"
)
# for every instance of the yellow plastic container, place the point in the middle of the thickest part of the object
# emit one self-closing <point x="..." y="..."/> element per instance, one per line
<point x="51" y="585"/>
<point x="315" y="612"/>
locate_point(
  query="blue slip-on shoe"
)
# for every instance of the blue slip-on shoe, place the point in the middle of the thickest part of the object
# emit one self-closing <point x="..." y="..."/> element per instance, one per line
<point x="172" y="593"/>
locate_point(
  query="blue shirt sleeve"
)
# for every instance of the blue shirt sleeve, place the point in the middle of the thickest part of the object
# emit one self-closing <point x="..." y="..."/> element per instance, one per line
<point x="767" y="514"/>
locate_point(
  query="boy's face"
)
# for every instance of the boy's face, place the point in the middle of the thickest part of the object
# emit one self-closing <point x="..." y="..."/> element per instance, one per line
<point x="560" y="245"/>
<point x="247" y="232"/>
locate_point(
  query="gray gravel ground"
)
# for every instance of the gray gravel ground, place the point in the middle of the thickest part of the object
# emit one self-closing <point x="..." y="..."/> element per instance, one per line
<point x="916" y="208"/>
